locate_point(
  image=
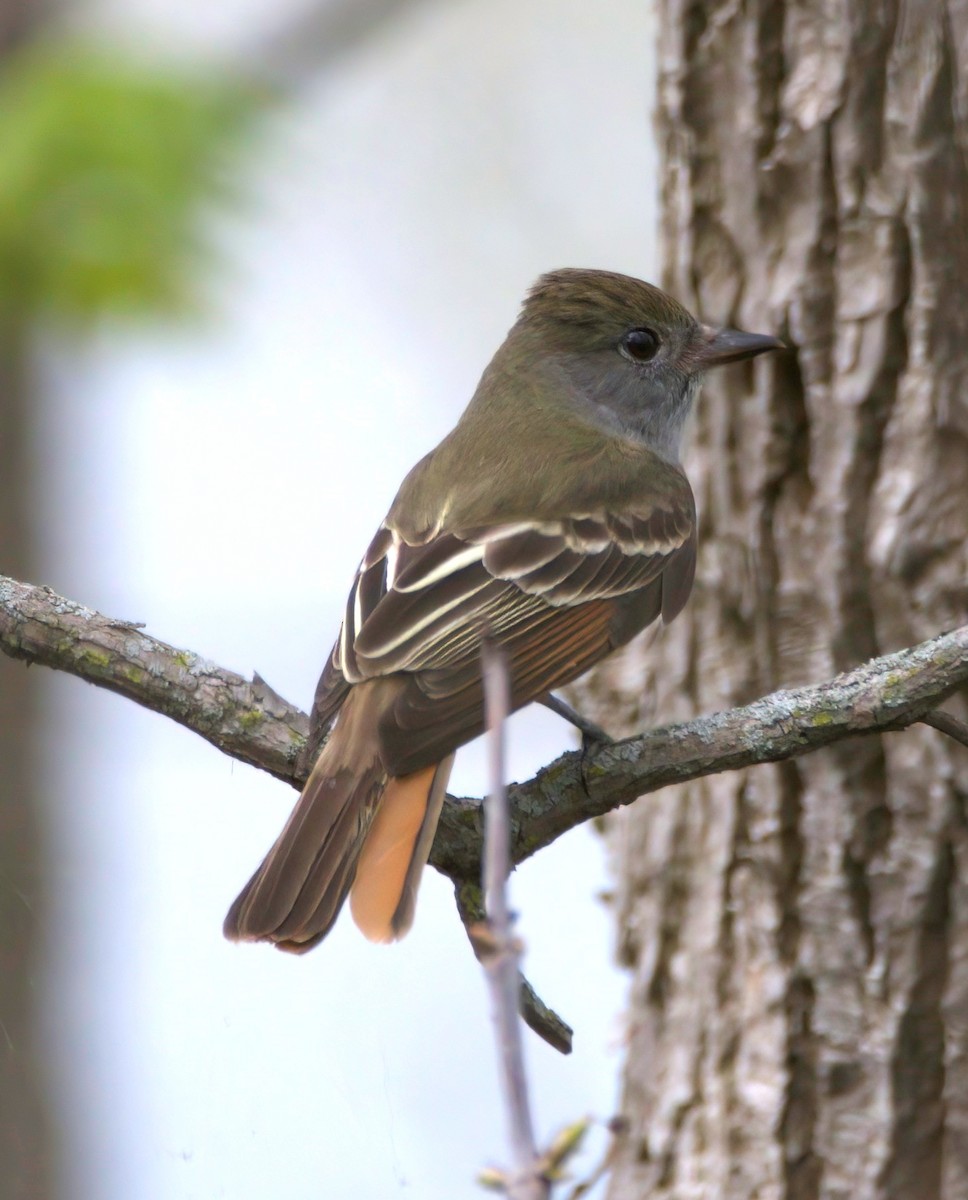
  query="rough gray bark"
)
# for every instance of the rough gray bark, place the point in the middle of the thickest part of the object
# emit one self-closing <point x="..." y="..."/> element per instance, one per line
<point x="797" y="934"/>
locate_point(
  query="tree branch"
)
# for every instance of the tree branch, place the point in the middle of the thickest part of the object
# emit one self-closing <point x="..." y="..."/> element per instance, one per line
<point x="248" y="721"/>
<point x="883" y="695"/>
<point x="242" y="718"/>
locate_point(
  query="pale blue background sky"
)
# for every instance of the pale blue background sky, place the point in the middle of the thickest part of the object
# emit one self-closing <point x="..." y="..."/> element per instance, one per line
<point x="220" y="486"/>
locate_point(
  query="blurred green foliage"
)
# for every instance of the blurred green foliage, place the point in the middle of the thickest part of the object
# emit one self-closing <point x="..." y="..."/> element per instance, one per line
<point x="107" y="165"/>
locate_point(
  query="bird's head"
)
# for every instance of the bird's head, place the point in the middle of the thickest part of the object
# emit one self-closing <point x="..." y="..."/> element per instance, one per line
<point x="631" y="352"/>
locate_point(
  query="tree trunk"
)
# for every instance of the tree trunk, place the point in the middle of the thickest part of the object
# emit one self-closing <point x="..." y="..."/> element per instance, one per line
<point x="798" y="935"/>
<point x="25" y="1134"/>
<point x="24" y="1160"/>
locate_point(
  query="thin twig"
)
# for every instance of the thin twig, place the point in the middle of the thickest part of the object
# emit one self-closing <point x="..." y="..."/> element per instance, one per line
<point x="544" y="1021"/>
<point x="501" y="961"/>
<point x="947" y="724"/>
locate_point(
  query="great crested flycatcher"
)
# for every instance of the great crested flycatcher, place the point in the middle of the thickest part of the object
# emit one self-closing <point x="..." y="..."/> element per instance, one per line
<point x="556" y="517"/>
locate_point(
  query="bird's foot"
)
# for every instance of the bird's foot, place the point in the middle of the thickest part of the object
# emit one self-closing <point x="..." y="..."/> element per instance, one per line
<point x="591" y="734"/>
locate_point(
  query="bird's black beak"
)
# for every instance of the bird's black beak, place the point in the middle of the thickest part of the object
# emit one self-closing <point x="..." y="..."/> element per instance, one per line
<point x="720" y="346"/>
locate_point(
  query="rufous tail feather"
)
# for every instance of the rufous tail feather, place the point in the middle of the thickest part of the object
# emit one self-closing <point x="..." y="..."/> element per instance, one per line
<point x="352" y="828"/>
<point x="384" y="893"/>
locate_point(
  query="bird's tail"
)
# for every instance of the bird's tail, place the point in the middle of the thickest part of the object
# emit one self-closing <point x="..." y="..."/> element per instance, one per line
<point x="353" y="831"/>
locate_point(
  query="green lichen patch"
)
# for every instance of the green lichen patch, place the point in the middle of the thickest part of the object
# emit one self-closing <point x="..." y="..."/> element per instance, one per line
<point x="251" y="719"/>
<point x="94" y="658"/>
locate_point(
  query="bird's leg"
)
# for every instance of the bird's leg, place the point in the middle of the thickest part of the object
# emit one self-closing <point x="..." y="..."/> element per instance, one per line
<point x="590" y="732"/>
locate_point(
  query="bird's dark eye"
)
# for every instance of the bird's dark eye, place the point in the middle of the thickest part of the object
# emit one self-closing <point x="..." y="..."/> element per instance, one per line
<point x="640" y="344"/>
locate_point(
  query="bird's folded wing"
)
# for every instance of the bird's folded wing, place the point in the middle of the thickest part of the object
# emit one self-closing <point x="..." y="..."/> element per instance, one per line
<point x="424" y="606"/>
<point x="557" y="593"/>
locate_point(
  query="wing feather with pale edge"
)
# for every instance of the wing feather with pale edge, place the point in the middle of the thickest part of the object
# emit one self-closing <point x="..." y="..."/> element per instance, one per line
<point x="558" y="594"/>
<point x="423" y="606"/>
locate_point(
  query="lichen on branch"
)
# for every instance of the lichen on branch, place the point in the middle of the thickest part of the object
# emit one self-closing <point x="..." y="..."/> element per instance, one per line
<point x="247" y="720"/>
